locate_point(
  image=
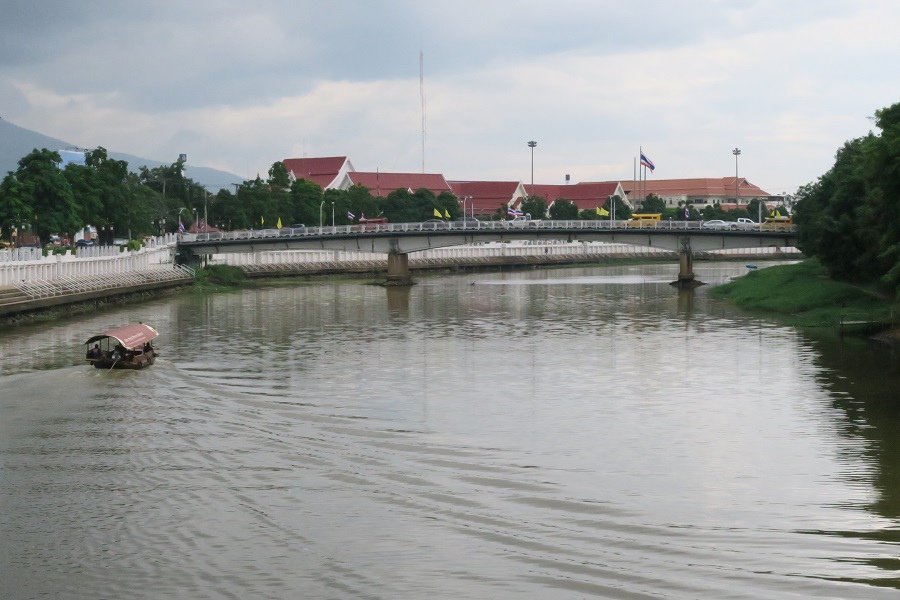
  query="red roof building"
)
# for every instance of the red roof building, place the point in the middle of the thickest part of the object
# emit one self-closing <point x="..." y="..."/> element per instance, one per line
<point x="381" y="184"/>
<point x="326" y="171"/>
<point x="699" y="191"/>
<point x="485" y="197"/>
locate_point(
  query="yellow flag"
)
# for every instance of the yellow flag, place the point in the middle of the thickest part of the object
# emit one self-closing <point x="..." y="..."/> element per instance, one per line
<point x="602" y="212"/>
<point x="446" y="214"/>
<point x="262" y="220"/>
<point x="437" y="213"/>
<point x="278" y="225"/>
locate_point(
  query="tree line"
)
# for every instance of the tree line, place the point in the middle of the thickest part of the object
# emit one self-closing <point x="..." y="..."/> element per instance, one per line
<point x="850" y="217"/>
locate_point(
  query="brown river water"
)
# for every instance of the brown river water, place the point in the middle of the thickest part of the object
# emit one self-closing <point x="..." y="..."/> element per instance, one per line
<point x="584" y="432"/>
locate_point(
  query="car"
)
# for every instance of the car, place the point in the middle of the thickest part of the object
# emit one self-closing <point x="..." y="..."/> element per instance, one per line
<point x="435" y="224"/>
<point x="718" y="224"/>
<point x="745" y="223"/>
<point x="83" y="243"/>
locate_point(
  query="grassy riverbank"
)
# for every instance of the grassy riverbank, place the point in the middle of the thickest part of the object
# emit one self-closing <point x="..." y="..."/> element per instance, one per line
<point x="802" y="294"/>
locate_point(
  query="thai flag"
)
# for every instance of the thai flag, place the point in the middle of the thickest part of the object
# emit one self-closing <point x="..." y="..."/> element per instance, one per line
<point x="646" y="162"/>
<point x="513" y="212"/>
<point x="180" y="226"/>
<point x="350" y="215"/>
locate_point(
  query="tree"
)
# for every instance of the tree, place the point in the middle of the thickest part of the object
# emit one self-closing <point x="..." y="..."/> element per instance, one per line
<point x="849" y="217"/>
<point x="41" y="189"/>
<point x="15" y="204"/>
<point x="305" y="201"/>
<point x="536" y="206"/>
<point x="653" y="204"/>
<point x="621" y="212"/>
<point x="564" y="210"/>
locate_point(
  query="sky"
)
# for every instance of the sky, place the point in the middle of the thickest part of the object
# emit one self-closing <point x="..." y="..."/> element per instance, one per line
<point x="239" y="85"/>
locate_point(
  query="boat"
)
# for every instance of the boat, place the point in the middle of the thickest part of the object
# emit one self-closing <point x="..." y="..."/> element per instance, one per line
<point x="126" y="347"/>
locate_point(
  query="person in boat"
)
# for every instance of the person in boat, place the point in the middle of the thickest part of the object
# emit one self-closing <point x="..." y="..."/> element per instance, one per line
<point x="94" y="353"/>
<point x="118" y="352"/>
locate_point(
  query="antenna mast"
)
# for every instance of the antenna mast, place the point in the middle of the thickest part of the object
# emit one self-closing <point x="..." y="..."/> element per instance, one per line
<point x="422" y="96"/>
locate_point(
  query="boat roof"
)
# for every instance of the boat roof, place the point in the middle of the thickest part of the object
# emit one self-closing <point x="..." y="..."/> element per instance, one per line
<point x="131" y="337"/>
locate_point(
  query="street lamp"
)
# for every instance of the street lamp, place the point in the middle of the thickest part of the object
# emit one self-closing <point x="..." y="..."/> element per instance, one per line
<point x="320" y="213"/>
<point x="531" y="145"/>
<point x="736" y="152"/>
<point x="332" y="214"/>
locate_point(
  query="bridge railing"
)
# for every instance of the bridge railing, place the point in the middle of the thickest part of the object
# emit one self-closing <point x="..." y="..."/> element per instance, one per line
<point x="457" y="226"/>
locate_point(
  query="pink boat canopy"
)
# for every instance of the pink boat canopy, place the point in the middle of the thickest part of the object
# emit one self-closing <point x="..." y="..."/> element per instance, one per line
<point x="132" y="337"/>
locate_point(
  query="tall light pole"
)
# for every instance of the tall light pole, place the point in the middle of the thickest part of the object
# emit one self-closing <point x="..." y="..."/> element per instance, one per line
<point x="736" y="152"/>
<point x="320" y="213"/>
<point x="332" y="214"/>
<point x="531" y="145"/>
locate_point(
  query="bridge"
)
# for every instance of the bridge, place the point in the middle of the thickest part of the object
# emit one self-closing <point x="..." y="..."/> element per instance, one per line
<point x="398" y="240"/>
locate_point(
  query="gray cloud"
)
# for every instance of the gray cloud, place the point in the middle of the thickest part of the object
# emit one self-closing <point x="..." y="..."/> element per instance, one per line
<point x="239" y="85"/>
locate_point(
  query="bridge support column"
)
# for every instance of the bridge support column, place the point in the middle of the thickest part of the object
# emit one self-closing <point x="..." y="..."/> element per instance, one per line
<point x="686" y="266"/>
<point x="398" y="269"/>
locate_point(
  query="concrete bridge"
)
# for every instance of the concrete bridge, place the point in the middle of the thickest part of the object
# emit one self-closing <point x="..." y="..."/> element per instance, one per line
<point x="398" y="240"/>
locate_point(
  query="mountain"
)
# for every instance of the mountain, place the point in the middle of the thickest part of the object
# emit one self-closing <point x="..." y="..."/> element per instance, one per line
<point x="16" y="142"/>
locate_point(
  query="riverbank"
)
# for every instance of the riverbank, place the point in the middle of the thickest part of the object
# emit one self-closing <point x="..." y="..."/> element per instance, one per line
<point x="802" y="294"/>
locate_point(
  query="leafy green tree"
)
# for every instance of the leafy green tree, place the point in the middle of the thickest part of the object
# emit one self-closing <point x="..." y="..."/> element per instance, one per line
<point x="653" y="204"/>
<point x="44" y="191"/>
<point x="536" y="206"/>
<point x="400" y="206"/>
<point x="361" y="202"/>
<point x="15" y="204"/>
<point x="448" y="204"/>
<point x="305" y="200"/>
<point x="279" y="177"/>
<point x="622" y="211"/>
<point x="564" y="210"/>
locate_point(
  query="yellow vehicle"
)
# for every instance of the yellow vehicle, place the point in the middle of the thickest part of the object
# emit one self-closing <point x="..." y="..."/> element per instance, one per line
<point x="644" y="220"/>
<point x="777" y="223"/>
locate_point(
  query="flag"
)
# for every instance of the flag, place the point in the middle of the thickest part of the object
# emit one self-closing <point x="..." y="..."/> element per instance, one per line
<point x="180" y="226"/>
<point x="646" y="162"/>
<point x="262" y="220"/>
<point x="350" y="215"/>
<point x="438" y="214"/>
<point x="446" y="214"/>
<point x="278" y="225"/>
<point x="602" y="212"/>
<point x="513" y="212"/>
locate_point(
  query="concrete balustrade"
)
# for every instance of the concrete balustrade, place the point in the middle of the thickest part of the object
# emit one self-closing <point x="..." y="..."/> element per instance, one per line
<point x="29" y="265"/>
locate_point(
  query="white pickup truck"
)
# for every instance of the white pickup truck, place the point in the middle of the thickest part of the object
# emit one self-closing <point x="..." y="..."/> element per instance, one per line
<point x="745" y="223"/>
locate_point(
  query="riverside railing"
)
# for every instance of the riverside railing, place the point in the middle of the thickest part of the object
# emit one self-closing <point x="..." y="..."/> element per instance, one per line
<point x="480" y="226"/>
<point x="88" y="262"/>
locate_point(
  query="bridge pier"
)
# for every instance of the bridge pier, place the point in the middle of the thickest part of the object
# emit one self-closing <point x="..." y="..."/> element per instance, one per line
<point x="686" y="277"/>
<point x="398" y="269"/>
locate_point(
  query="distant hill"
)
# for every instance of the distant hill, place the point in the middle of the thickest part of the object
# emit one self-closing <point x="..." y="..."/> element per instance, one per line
<point x="16" y="142"/>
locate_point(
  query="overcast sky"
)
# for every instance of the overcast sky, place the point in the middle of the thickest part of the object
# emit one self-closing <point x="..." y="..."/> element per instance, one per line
<point x="239" y="85"/>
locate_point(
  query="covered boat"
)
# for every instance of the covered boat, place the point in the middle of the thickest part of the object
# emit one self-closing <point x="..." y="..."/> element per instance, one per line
<point x="126" y="347"/>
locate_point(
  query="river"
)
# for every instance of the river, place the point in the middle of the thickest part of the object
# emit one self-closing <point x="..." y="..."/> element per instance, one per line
<point x="560" y="433"/>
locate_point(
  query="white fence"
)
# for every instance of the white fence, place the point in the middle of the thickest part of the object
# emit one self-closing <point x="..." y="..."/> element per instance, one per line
<point x="472" y="252"/>
<point x="450" y="254"/>
<point x="24" y="266"/>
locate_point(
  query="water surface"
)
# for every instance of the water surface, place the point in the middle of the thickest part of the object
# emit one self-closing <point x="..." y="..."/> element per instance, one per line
<point x="580" y="432"/>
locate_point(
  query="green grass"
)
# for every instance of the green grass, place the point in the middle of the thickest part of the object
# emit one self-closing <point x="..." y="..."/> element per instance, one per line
<point x="803" y="294"/>
<point x="220" y="276"/>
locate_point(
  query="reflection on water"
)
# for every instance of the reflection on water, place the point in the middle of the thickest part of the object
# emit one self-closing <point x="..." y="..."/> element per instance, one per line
<point x="584" y="432"/>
